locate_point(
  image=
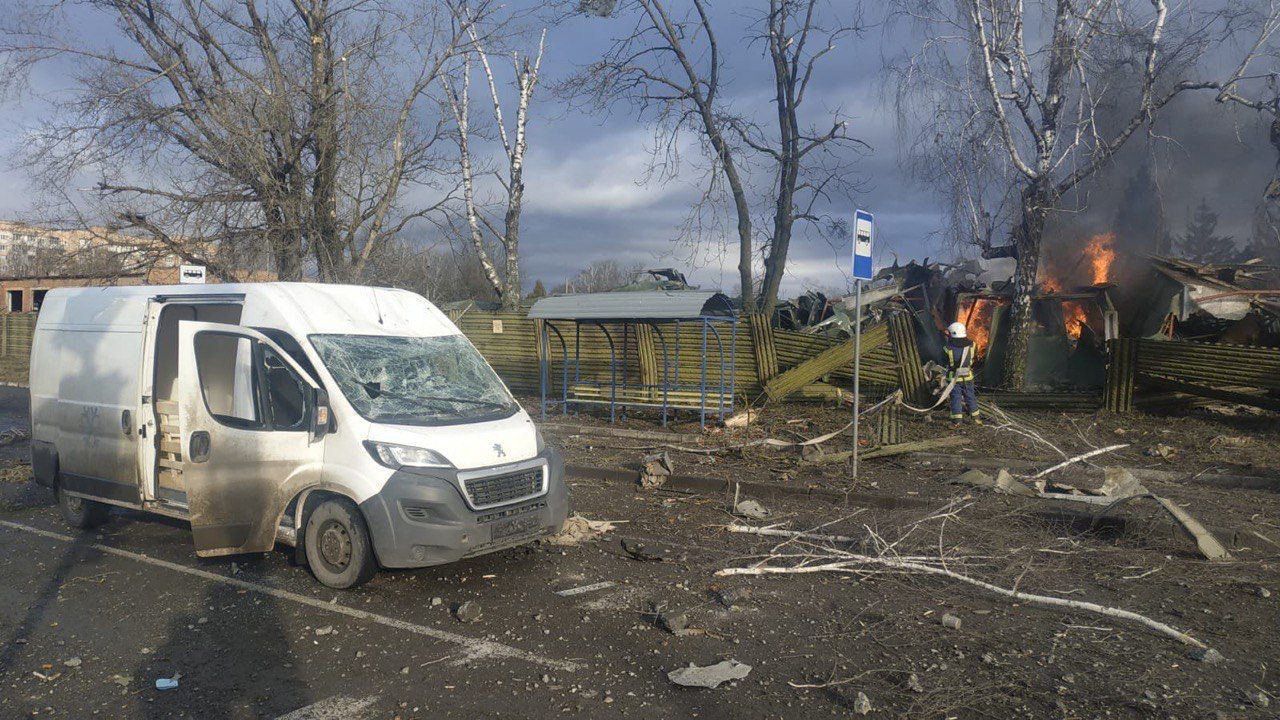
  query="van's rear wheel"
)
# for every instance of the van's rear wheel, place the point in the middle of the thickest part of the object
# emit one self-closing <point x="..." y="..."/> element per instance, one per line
<point x="81" y="513"/>
<point x="337" y="544"/>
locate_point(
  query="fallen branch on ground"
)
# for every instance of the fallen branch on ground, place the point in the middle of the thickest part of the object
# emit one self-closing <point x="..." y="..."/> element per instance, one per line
<point x="1078" y="458"/>
<point x="848" y="562"/>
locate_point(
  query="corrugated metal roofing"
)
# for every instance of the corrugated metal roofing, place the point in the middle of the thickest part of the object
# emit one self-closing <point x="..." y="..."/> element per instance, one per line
<point x="641" y="305"/>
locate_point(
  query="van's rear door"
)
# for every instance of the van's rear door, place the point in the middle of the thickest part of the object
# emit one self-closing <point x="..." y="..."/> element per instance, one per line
<point x="245" y="411"/>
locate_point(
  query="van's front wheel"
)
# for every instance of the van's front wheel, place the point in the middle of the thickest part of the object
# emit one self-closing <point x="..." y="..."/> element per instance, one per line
<point x="81" y="513"/>
<point x="337" y="544"/>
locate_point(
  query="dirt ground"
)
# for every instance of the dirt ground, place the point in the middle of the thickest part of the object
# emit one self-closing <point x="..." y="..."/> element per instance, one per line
<point x="257" y="637"/>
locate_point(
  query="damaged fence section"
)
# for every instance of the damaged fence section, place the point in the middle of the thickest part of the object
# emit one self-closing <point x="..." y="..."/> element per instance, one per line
<point x="1217" y="371"/>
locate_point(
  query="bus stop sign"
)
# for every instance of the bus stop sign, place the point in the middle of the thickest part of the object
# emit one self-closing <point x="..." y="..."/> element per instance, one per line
<point x="863" y="229"/>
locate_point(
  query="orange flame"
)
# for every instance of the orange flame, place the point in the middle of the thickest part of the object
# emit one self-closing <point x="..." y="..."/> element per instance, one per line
<point x="976" y="313"/>
<point x="1101" y="253"/>
<point x="1075" y="317"/>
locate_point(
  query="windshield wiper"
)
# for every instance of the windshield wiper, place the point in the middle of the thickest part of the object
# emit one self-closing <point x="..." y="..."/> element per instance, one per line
<point x="374" y="390"/>
<point x="487" y="403"/>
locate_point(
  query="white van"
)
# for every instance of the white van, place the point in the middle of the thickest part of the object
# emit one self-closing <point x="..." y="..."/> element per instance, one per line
<point x="355" y="424"/>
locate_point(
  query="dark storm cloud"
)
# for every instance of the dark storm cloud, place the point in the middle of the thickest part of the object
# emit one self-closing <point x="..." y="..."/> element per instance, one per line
<point x="587" y="199"/>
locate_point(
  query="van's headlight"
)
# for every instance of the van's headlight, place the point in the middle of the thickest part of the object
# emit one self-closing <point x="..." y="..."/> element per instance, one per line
<point x="398" y="456"/>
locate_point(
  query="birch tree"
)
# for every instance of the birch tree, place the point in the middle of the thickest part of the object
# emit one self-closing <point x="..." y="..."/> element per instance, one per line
<point x="514" y="142"/>
<point x="1037" y="97"/>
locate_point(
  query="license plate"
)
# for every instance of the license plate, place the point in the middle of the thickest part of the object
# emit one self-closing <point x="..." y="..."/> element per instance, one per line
<point x="514" y="526"/>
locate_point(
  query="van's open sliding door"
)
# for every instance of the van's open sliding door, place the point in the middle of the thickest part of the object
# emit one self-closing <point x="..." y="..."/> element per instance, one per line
<point x="245" y="412"/>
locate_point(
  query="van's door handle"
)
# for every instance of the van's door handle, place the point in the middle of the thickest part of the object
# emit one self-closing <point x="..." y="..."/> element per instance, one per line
<point x="198" y="446"/>
<point x="126" y="421"/>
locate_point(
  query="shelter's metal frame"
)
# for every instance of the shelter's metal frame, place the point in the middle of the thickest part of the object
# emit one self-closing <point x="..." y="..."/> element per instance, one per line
<point x="710" y="325"/>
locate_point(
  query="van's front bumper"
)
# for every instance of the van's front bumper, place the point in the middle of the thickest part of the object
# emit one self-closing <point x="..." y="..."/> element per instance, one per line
<point x="421" y="518"/>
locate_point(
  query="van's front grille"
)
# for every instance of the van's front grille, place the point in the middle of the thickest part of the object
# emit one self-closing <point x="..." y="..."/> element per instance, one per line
<point x="499" y="489"/>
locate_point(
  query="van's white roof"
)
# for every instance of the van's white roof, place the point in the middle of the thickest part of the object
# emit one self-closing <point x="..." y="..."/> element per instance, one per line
<point x="305" y="308"/>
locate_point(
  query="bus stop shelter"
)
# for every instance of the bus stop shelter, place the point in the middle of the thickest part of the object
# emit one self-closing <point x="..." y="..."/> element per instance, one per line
<point x="623" y="319"/>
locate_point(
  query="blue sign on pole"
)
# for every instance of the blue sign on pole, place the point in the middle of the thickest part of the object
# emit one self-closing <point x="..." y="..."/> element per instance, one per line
<point x="863" y="229"/>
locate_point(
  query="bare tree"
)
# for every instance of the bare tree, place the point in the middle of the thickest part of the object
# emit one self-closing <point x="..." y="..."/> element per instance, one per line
<point x="514" y="143"/>
<point x="1033" y="95"/>
<point x="669" y="66"/>
<point x="808" y="161"/>
<point x="1255" y="84"/>
<point x="290" y="127"/>
<point x="603" y="276"/>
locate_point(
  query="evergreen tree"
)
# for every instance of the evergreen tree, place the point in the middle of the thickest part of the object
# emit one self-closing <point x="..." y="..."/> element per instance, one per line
<point x="539" y="291"/>
<point x="1198" y="242"/>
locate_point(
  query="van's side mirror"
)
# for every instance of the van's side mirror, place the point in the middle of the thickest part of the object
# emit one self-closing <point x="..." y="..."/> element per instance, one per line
<point x="321" y="414"/>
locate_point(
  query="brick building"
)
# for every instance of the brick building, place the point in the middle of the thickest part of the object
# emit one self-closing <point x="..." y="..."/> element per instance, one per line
<point x="34" y="260"/>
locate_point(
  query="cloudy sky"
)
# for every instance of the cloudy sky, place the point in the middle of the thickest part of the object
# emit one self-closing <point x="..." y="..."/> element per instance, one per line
<point x="587" y="198"/>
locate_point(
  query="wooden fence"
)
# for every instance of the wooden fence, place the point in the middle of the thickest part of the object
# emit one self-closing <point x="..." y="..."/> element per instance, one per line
<point x="1233" y="373"/>
<point x="15" y="346"/>
<point x="759" y="352"/>
<point x="509" y="341"/>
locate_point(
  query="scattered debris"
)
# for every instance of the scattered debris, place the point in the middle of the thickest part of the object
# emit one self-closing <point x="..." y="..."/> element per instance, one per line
<point x="672" y="622"/>
<point x="1121" y="486"/>
<point x="741" y="419"/>
<point x="326" y="630"/>
<point x="72" y="663"/>
<point x="862" y="704"/>
<point x="730" y="597"/>
<point x="1209" y="545"/>
<point x="1008" y="485"/>
<point x="1259" y="699"/>
<point x="1161" y="451"/>
<point x="840" y="561"/>
<point x="950" y="621"/>
<point x="1207" y="655"/>
<point x="913" y="683"/>
<point x="639" y="552"/>
<point x="437" y="601"/>
<point x="577" y="530"/>
<point x="657" y="468"/>
<point x="751" y="510"/>
<point x="163" y="684"/>
<point x="570" y="592"/>
<point x="467" y="612"/>
<point x="710" y="676"/>
<point x="973" y="478"/>
<point x="1230" y="441"/>
<point x="1262" y="592"/>
<point x="123" y="681"/>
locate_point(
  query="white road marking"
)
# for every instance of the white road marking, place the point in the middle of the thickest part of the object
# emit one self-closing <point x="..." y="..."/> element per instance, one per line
<point x="585" y="589"/>
<point x="335" y="708"/>
<point x="474" y="648"/>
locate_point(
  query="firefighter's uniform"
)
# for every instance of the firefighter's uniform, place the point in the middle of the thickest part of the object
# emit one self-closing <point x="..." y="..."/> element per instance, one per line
<point x="964" y="396"/>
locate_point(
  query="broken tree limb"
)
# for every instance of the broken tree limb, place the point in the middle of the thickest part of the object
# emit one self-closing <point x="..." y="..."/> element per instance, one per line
<point x="792" y="534"/>
<point x="848" y="561"/>
<point x="1078" y="458"/>
<point x="890" y="450"/>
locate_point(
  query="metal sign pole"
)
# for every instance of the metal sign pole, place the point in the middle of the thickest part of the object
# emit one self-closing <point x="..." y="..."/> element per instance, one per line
<point x="864" y="224"/>
<point x="857" y="367"/>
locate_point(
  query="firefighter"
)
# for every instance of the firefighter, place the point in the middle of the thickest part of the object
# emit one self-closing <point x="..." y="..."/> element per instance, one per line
<point x="964" y="397"/>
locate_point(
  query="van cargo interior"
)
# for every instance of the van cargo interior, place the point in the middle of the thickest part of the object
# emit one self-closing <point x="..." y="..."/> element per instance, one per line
<point x="168" y="472"/>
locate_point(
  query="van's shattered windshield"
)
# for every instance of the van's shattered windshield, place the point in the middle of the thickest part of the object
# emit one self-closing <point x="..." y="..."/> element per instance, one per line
<point x="414" y="380"/>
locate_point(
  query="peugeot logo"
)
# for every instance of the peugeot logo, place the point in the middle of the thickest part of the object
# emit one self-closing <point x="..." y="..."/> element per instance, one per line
<point x="497" y="448"/>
